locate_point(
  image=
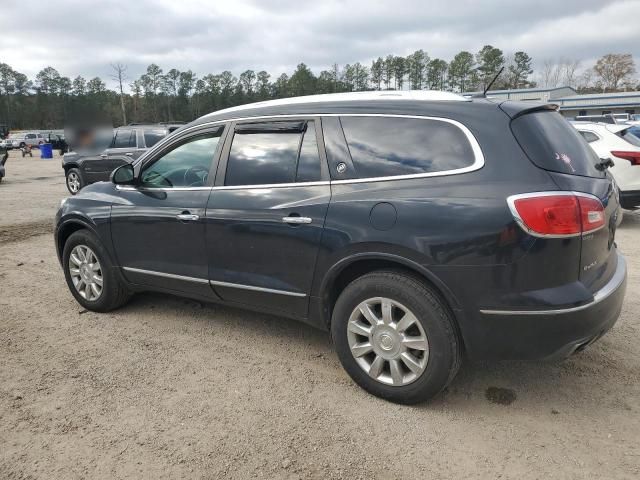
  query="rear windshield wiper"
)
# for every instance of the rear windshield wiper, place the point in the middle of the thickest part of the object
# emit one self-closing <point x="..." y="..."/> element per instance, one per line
<point x="604" y="163"/>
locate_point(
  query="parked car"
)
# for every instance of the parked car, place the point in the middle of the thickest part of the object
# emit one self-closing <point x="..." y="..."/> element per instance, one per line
<point x="85" y="167"/>
<point x="414" y="226"/>
<point x="19" y="140"/>
<point x="57" y="140"/>
<point x="620" y="144"/>
<point x="608" y="118"/>
<point x="3" y="159"/>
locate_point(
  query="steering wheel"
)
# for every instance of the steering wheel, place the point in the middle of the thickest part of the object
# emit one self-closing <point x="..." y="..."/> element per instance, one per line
<point x="196" y="174"/>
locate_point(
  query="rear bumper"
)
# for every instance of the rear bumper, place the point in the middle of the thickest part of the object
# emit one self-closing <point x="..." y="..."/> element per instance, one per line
<point x="630" y="199"/>
<point x="549" y="334"/>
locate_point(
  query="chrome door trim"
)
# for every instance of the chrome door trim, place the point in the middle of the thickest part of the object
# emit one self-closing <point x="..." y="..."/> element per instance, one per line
<point x="166" y="275"/>
<point x="257" y="289"/>
<point x="212" y="282"/>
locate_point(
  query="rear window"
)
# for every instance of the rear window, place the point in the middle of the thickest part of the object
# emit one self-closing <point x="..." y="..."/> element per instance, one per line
<point x="630" y="137"/>
<point x="553" y="144"/>
<point x="388" y="146"/>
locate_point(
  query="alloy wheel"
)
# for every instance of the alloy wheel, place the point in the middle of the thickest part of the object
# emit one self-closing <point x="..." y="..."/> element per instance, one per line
<point x="387" y="341"/>
<point x="73" y="180"/>
<point x="86" y="272"/>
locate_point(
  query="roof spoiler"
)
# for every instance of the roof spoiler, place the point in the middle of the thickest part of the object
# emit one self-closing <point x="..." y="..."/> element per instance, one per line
<point x="516" y="109"/>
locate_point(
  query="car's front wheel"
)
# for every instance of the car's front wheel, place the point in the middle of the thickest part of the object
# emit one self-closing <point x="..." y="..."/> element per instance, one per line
<point x="74" y="181"/>
<point x="90" y="275"/>
<point x="395" y="337"/>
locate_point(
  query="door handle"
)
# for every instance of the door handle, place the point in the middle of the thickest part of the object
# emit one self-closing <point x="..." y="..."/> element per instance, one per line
<point x="296" y="220"/>
<point x="187" y="217"/>
<point x="129" y="154"/>
<point x="103" y="155"/>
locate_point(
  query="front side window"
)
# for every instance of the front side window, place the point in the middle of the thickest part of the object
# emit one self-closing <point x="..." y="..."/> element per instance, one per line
<point x="185" y="165"/>
<point x="273" y="153"/>
<point x="389" y="146"/>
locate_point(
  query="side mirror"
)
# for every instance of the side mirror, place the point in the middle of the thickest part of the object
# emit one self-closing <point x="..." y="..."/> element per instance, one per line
<point x="123" y="175"/>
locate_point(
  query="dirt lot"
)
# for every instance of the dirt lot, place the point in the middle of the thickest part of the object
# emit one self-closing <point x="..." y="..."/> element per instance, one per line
<point x="170" y="388"/>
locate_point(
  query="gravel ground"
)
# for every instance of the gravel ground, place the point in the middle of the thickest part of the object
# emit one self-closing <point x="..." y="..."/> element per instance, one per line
<point x="170" y="388"/>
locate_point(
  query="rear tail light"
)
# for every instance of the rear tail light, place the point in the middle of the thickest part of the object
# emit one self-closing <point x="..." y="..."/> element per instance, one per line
<point x="633" y="157"/>
<point x="557" y="214"/>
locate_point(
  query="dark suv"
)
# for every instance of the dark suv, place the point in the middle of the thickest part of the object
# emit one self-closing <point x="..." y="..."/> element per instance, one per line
<point x="415" y="226"/>
<point x="85" y="167"/>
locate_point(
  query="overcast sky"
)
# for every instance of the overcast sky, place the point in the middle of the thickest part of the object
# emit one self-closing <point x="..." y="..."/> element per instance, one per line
<point x="78" y="37"/>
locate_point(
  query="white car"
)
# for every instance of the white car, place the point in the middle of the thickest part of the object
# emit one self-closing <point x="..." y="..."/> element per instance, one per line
<point x="623" y="147"/>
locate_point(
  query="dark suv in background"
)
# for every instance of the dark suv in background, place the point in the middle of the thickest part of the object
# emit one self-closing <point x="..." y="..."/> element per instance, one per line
<point x="89" y="166"/>
<point x="414" y="226"/>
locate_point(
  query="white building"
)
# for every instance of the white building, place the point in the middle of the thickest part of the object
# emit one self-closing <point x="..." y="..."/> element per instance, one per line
<point x="571" y="103"/>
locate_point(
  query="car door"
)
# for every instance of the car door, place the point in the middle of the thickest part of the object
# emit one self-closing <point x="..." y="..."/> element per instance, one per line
<point x="266" y="214"/>
<point x="158" y="228"/>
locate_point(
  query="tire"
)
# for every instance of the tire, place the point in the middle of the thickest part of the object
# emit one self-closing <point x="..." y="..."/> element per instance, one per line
<point x="74" y="181"/>
<point x="439" y="360"/>
<point x="113" y="293"/>
<point x="22" y="144"/>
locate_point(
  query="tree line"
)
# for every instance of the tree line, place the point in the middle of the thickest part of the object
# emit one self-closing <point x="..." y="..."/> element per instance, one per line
<point x="51" y="99"/>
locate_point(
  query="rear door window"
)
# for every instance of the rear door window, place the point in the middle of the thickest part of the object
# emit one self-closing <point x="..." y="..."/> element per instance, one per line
<point x="273" y="153"/>
<point x="389" y="146"/>
<point x="124" y="139"/>
<point x="153" y="136"/>
<point x="552" y="143"/>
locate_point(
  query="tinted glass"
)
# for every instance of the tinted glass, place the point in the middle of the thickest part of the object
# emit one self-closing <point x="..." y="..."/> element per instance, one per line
<point x="124" y="139"/>
<point x="553" y="144"/>
<point x="187" y="165"/>
<point x="151" y="137"/>
<point x="309" y="160"/>
<point x="382" y="146"/>
<point x="630" y="137"/>
<point x="588" y="136"/>
<point x="262" y="158"/>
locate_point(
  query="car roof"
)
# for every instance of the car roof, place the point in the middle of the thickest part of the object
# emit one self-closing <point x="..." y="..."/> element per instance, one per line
<point x="409" y="102"/>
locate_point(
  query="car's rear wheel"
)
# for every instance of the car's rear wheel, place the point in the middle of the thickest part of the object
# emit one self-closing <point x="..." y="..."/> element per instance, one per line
<point x="395" y="337"/>
<point x="90" y="275"/>
<point x="74" y="180"/>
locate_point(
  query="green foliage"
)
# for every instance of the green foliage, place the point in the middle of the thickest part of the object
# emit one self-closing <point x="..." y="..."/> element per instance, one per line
<point x="52" y="99"/>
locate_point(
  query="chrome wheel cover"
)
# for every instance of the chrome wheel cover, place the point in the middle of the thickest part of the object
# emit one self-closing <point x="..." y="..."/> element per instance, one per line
<point x="387" y="341"/>
<point x="86" y="272"/>
<point x="73" y="181"/>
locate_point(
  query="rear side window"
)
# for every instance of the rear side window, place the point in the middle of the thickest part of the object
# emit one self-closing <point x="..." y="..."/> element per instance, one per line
<point x="388" y="146"/>
<point x="273" y="153"/>
<point x="151" y="137"/>
<point x="553" y="144"/>
<point x="588" y="136"/>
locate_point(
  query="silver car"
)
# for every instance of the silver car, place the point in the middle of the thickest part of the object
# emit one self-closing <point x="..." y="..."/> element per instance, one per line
<point x="19" y="140"/>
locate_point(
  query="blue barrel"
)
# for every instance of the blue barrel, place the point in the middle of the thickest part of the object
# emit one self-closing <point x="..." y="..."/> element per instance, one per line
<point x="46" y="150"/>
